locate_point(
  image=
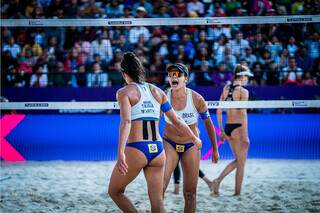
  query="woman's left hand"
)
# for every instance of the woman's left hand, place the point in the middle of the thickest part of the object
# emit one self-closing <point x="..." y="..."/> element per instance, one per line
<point x="215" y="156"/>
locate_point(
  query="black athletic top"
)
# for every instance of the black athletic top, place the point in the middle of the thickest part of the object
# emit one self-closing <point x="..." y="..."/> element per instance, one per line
<point x="231" y="88"/>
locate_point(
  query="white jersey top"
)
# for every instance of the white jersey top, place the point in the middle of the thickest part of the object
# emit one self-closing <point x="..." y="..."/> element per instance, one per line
<point x="147" y="108"/>
<point x="189" y="114"/>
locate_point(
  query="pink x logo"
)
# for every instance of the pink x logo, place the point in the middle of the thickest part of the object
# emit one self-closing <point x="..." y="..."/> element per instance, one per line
<point x="7" y="124"/>
<point x="208" y="153"/>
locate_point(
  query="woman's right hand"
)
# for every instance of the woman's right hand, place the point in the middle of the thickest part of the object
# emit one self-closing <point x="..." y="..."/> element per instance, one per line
<point x="122" y="164"/>
<point x="198" y="143"/>
<point x="222" y="137"/>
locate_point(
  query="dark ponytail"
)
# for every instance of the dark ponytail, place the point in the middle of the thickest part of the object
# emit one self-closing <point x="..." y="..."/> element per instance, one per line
<point x="131" y="65"/>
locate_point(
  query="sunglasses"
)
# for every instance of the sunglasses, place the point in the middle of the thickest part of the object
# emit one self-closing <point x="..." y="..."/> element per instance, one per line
<point x="175" y="74"/>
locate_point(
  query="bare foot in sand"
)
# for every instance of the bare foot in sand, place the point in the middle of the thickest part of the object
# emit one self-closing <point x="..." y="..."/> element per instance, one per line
<point x="215" y="187"/>
<point x="209" y="183"/>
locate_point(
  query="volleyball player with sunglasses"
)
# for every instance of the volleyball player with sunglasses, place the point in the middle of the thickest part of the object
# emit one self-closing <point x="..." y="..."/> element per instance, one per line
<point x="189" y="105"/>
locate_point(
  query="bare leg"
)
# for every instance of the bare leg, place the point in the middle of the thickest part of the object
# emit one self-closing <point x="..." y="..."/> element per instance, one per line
<point x="216" y="182"/>
<point x="190" y="166"/>
<point x="241" y="160"/>
<point x="118" y="182"/>
<point x="205" y="179"/>
<point x="176" y="178"/>
<point x="154" y="174"/>
<point x="171" y="163"/>
<point x="229" y="168"/>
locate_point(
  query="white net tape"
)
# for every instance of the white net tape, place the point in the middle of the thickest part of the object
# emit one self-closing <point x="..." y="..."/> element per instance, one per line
<point x="114" y="105"/>
<point x="159" y="21"/>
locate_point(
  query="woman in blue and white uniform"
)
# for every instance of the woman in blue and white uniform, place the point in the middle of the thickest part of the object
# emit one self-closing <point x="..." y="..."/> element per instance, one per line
<point x="188" y="104"/>
<point x="140" y="145"/>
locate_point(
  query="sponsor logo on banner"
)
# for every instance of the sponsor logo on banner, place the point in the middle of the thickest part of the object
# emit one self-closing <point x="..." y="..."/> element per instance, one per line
<point x="213" y="21"/>
<point x="213" y="103"/>
<point x="299" y="104"/>
<point x="36" y="104"/>
<point x="35" y="23"/>
<point x="299" y="19"/>
<point x="119" y="22"/>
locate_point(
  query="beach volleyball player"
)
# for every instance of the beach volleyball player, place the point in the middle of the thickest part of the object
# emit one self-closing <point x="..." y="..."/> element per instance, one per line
<point x="178" y="146"/>
<point x="236" y="128"/>
<point x="140" y="145"/>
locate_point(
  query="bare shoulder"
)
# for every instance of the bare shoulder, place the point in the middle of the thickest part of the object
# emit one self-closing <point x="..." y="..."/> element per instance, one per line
<point x="226" y="87"/>
<point x="126" y="90"/>
<point x="198" y="101"/>
<point x="157" y="93"/>
<point x="196" y="97"/>
<point x="243" y="91"/>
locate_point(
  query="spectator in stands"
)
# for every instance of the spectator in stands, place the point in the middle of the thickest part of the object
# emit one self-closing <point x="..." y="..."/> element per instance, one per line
<point x="218" y="48"/>
<point x="304" y="61"/>
<point x="291" y="74"/>
<point x="142" y="44"/>
<point x="9" y="61"/>
<point x="265" y="59"/>
<point x="114" y="9"/>
<point x="308" y="80"/>
<point x="54" y="7"/>
<point x="180" y="9"/>
<point x="162" y="12"/>
<point x="146" y="6"/>
<point x="202" y="42"/>
<point x="258" y="44"/>
<point x="297" y="7"/>
<point x="272" y="74"/>
<point x="38" y="79"/>
<point x="114" y="68"/>
<point x="202" y="65"/>
<point x="97" y="78"/>
<point x="223" y="75"/>
<point x="58" y="76"/>
<point x="292" y="47"/>
<point x="157" y="68"/>
<point x="260" y="7"/>
<point x="123" y="44"/>
<point x="231" y="7"/>
<point x="229" y="59"/>
<point x="14" y="48"/>
<point x="313" y="45"/>
<point x="12" y="78"/>
<point x="102" y="46"/>
<point x="188" y="47"/>
<point x="135" y="32"/>
<point x="259" y="74"/>
<point x="238" y="45"/>
<point x="127" y="12"/>
<point x="274" y="47"/>
<point x="249" y="57"/>
<point x="81" y="77"/>
<point x="31" y="5"/>
<point x="53" y="49"/>
<point x="72" y="9"/>
<point x="195" y="6"/>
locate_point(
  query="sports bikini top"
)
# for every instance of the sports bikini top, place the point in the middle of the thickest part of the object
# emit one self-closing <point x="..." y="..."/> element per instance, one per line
<point x="147" y="108"/>
<point x="189" y="114"/>
<point x="231" y="88"/>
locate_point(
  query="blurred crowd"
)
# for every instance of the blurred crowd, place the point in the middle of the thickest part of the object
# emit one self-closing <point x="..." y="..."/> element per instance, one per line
<point x="90" y="56"/>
